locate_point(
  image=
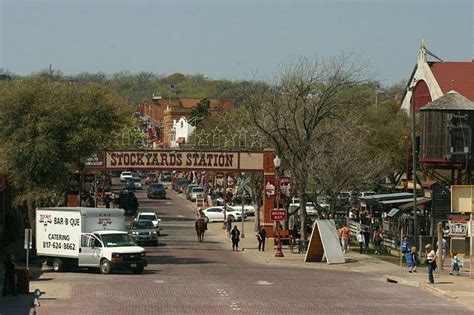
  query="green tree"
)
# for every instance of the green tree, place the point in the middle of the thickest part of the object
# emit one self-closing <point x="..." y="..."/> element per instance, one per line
<point x="201" y="113"/>
<point x="45" y="127"/>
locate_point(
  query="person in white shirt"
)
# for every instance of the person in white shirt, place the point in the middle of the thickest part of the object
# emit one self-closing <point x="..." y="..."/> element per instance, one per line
<point x="361" y="240"/>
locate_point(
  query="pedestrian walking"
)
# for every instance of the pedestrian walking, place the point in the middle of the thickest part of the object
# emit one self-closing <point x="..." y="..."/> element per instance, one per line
<point x="455" y="264"/>
<point x="344" y="234"/>
<point x="377" y="239"/>
<point x="107" y="201"/>
<point x="412" y="260"/>
<point x="431" y="261"/>
<point x="9" y="280"/>
<point x="405" y="246"/>
<point x="366" y="239"/>
<point x="228" y="225"/>
<point x="261" y="235"/>
<point x="361" y="240"/>
<point x="235" y="236"/>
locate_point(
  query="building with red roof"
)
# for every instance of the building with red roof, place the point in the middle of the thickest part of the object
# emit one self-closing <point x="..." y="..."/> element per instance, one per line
<point x="432" y="79"/>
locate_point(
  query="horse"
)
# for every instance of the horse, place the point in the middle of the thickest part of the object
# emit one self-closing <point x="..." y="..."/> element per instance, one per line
<point x="200" y="229"/>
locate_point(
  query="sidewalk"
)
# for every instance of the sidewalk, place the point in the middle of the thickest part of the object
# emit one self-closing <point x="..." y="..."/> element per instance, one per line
<point x="459" y="289"/>
<point x="20" y="304"/>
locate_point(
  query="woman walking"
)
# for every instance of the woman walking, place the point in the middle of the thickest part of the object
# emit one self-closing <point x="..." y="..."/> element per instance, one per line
<point x="412" y="260"/>
<point x="235" y="236"/>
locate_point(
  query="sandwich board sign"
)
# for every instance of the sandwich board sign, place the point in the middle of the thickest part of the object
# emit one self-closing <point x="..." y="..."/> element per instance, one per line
<point x="324" y="243"/>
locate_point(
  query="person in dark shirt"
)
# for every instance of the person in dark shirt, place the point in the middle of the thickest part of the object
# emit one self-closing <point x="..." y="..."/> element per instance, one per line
<point x="9" y="283"/>
<point x="367" y="240"/>
<point x="261" y="235"/>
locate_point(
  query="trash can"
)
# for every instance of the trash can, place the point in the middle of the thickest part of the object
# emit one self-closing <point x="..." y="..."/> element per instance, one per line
<point x="22" y="280"/>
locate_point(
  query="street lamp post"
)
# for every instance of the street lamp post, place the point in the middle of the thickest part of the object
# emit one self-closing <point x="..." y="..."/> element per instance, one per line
<point x="277" y="163"/>
<point x="242" y="235"/>
<point x="413" y="139"/>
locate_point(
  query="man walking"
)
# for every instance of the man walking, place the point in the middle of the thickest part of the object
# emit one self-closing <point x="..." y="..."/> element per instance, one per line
<point x="261" y="235"/>
<point x="9" y="283"/>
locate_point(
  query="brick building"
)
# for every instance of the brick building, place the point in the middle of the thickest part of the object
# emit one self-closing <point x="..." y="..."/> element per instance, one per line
<point x="165" y="112"/>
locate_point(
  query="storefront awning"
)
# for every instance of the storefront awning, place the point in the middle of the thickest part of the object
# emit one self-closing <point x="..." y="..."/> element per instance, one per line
<point x="419" y="202"/>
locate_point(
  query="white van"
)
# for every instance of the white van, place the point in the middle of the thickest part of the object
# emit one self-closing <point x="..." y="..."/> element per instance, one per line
<point x="87" y="237"/>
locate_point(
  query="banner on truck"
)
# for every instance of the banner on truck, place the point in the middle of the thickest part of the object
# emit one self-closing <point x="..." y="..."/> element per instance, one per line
<point x="58" y="233"/>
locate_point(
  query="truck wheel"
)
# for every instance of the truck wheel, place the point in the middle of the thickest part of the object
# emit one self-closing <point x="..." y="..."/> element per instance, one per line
<point x="104" y="267"/>
<point x="138" y="270"/>
<point x="57" y="265"/>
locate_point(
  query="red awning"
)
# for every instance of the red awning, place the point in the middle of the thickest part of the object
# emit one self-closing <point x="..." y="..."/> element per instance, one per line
<point x="181" y="140"/>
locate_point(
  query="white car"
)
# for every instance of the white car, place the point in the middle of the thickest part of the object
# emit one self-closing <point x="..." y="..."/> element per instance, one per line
<point x="137" y="182"/>
<point x="216" y="214"/>
<point x="125" y="175"/>
<point x="248" y="209"/>
<point x="310" y="209"/>
<point x="149" y="216"/>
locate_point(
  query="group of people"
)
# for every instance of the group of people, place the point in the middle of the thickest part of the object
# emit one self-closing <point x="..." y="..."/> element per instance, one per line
<point x="363" y="238"/>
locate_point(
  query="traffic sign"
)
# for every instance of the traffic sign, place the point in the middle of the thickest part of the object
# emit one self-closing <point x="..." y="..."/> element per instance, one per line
<point x="278" y="214"/>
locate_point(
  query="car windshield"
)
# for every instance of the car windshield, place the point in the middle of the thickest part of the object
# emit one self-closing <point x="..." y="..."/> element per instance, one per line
<point x="198" y="190"/>
<point x="136" y="180"/>
<point x="147" y="217"/>
<point x="156" y="186"/>
<point x="142" y="225"/>
<point x="116" y="240"/>
<point x="126" y="174"/>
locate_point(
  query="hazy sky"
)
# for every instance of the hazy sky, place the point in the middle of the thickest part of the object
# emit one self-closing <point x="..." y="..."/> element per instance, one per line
<point x="228" y="38"/>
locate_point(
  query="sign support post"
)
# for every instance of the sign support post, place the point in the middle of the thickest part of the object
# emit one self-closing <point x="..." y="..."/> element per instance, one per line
<point x="28" y="243"/>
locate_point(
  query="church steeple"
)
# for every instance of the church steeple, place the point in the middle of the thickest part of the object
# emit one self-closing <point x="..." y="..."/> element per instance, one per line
<point x="422" y="52"/>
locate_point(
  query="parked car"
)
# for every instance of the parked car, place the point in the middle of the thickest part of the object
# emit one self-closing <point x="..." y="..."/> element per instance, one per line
<point x="216" y="214"/>
<point x="124" y="175"/>
<point x="310" y="208"/>
<point x="196" y="193"/>
<point x="153" y="217"/>
<point x="166" y="176"/>
<point x="151" y="178"/>
<point x="144" y="231"/>
<point x="156" y="190"/>
<point x="248" y="209"/>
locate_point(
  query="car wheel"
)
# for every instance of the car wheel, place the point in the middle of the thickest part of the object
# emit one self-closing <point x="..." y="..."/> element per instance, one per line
<point x="57" y="265"/>
<point x="104" y="267"/>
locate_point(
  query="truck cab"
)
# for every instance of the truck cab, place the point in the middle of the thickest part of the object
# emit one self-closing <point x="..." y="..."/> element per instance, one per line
<point x="109" y="250"/>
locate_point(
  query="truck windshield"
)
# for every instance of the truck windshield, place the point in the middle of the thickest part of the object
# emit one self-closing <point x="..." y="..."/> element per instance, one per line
<point x="116" y="240"/>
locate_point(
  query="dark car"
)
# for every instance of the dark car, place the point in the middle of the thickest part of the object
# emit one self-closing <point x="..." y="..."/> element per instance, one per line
<point x="180" y="184"/>
<point x="151" y="178"/>
<point x="166" y="176"/>
<point x="156" y="191"/>
<point x="128" y="201"/>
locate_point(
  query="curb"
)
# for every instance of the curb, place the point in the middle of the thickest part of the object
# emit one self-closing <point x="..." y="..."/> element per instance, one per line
<point x="395" y="279"/>
<point x="439" y="291"/>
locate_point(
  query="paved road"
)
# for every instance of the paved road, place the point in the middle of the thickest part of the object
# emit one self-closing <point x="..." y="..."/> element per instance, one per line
<point x="185" y="276"/>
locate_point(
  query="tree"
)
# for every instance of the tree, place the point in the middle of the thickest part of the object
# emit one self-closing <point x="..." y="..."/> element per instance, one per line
<point x="307" y="94"/>
<point x="45" y="127"/>
<point x="201" y="113"/>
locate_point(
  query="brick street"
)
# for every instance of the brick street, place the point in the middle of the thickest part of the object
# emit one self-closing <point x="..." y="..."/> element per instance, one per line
<point x="185" y="276"/>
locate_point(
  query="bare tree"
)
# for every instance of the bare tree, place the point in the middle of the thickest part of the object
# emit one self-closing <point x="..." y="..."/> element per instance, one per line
<point x="305" y="95"/>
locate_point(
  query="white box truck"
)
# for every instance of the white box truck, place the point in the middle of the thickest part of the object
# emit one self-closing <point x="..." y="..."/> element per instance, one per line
<point x="87" y="237"/>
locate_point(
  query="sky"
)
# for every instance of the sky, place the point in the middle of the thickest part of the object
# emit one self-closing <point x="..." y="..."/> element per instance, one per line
<point x="228" y="39"/>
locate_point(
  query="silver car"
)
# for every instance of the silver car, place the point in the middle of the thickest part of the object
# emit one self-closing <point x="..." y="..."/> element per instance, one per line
<point x="196" y="193"/>
<point x="144" y="231"/>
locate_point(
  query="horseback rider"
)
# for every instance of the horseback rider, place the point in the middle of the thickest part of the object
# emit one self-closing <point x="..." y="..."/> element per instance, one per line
<point x="201" y="217"/>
